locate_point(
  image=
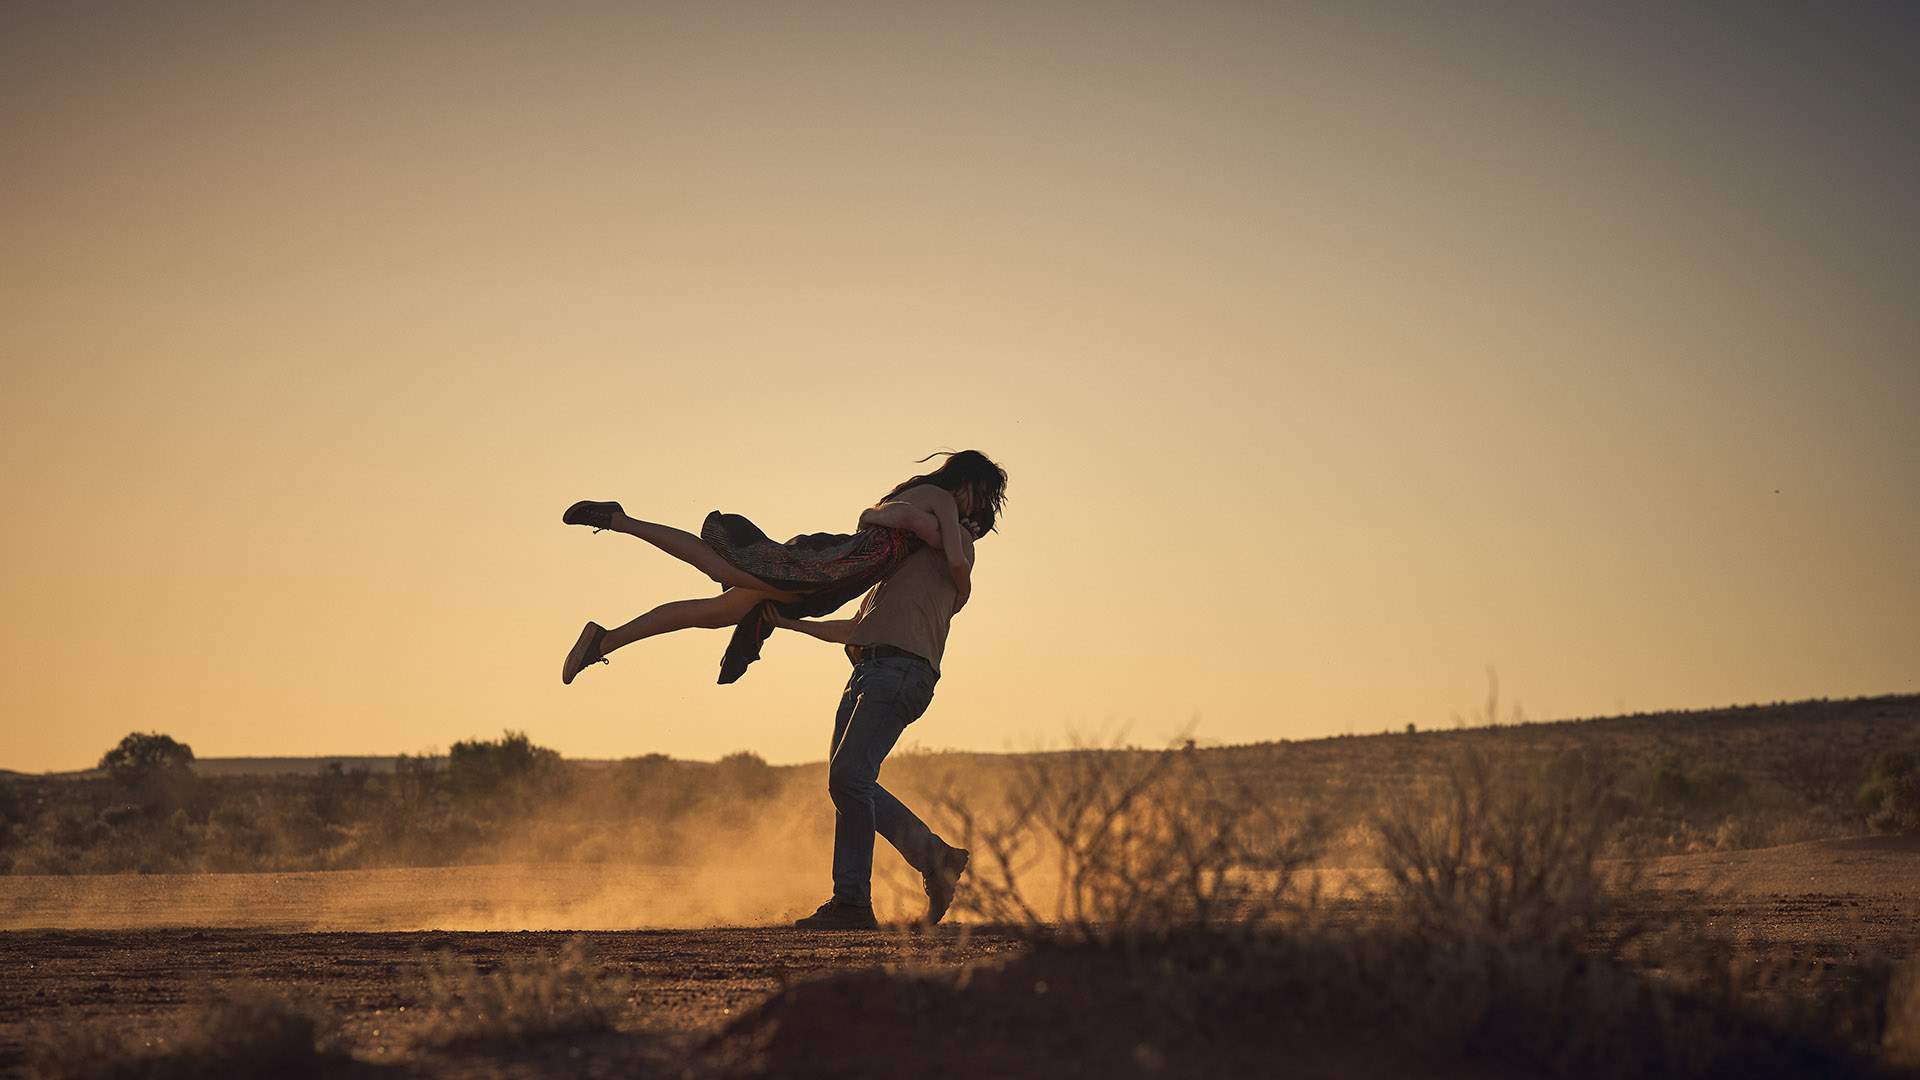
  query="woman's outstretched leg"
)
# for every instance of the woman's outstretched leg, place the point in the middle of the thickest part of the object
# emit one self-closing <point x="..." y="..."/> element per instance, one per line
<point x="708" y="612"/>
<point x="689" y="549"/>
<point x="678" y="543"/>
<point x="711" y="612"/>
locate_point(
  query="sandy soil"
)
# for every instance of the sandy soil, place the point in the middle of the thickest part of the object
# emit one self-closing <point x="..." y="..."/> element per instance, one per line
<point x="680" y="984"/>
<point x="1852" y="896"/>
<point x="140" y="948"/>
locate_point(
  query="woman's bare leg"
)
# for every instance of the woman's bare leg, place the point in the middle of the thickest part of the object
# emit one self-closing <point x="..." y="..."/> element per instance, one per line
<point x="709" y="612"/>
<point x="689" y="549"/>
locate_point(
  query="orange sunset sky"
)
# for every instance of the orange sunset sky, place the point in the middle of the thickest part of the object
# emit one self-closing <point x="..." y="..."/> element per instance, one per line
<point x="1336" y="352"/>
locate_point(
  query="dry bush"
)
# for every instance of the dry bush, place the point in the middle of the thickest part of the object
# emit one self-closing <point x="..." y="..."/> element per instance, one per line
<point x="247" y="1032"/>
<point x="1706" y="780"/>
<point x="1490" y="950"/>
<point x="1890" y="798"/>
<point x="1505" y="851"/>
<point x="1902" y="1038"/>
<point x="1820" y="774"/>
<point x="1130" y="843"/>
<point x="1510" y="939"/>
<point x="517" y="1001"/>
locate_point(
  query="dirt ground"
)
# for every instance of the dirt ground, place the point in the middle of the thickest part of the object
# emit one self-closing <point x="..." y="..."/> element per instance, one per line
<point x="1844" y="898"/>
<point x="137" y="950"/>
<point x="682" y="984"/>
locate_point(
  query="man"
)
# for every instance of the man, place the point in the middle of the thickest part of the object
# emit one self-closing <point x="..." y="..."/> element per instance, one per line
<point x="895" y="641"/>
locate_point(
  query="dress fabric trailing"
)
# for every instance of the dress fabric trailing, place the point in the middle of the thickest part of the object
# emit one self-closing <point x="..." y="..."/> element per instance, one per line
<point x="827" y="569"/>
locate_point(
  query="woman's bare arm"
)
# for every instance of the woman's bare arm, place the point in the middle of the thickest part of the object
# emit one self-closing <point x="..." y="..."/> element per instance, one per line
<point x="904" y="515"/>
<point x="954" y="538"/>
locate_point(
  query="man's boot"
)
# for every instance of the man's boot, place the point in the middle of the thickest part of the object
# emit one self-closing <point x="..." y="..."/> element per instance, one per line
<point x="839" y="915"/>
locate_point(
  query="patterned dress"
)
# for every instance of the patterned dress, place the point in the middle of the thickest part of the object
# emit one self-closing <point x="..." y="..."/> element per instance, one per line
<point x="827" y="569"/>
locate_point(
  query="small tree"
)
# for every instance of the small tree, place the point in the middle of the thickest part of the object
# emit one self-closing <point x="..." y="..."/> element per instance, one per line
<point x="749" y="774"/>
<point x="142" y="756"/>
<point x="13" y="808"/>
<point x="486" y="769"/>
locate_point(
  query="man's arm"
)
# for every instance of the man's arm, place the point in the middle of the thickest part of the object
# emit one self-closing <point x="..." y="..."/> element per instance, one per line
<point x="963" y="574"/>
<point x="838" y="631"/>
<point x="955" y="541"/>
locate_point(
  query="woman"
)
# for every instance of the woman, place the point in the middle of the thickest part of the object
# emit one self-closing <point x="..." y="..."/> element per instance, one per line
<point x="806" y="577"/>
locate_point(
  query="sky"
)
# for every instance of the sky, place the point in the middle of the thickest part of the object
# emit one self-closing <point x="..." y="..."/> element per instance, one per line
<point x="1337" y="353"/>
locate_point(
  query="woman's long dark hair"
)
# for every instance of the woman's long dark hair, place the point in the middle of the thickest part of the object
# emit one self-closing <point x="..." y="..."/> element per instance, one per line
<point x="966" y="469"/>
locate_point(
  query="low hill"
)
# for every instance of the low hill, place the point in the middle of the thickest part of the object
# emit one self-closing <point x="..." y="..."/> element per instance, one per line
<point x="1706" y="780"/>
<point x="1747" y="732"/>
<point x="290" y="766"/>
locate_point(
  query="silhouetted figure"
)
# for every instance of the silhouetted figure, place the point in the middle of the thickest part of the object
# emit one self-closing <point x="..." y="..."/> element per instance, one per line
<point x="895" y="642"/>
<point x="809" y="575"/>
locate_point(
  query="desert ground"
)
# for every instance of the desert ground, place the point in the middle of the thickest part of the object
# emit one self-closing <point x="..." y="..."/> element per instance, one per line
<point x="138" y="951"/>
<point x="682" y="986"/>
<point x="1733" y="892"/>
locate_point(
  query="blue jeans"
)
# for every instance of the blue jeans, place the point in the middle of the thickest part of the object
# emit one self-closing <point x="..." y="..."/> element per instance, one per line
<point x="883" y="696"/>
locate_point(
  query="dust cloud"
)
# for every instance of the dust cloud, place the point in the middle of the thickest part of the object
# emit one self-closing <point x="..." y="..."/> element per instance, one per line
<point x="552" y="866"/>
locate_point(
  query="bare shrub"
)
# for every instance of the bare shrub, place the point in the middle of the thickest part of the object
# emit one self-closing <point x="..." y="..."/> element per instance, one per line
<point x="1524" y="945"/>
<point x="1902" y="1038"/>
<point x="1131" y="843"/>
<point x="1819" y="773"/>
<point x="1489" y="714"/>
<point x="1890" y="798"/>
<point x="1493" y="948"/>
<point x="1501" y="943"/>
<point x="245" y="1032"/>
<point x="521" y="1000"/>
<point x="1504" y="851"/>
<point x="1674" y="784"/>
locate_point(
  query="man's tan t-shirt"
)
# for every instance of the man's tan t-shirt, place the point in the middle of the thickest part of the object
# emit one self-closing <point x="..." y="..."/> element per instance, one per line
<point x="913" y="607"/>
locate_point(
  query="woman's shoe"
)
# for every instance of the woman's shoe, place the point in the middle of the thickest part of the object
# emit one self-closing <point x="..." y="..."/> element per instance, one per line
<point x="599" y="515"/>
<point x="585" y="651"/>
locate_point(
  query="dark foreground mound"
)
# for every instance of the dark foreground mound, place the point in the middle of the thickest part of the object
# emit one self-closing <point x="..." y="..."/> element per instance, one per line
<point x="1329" y="1004"/>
